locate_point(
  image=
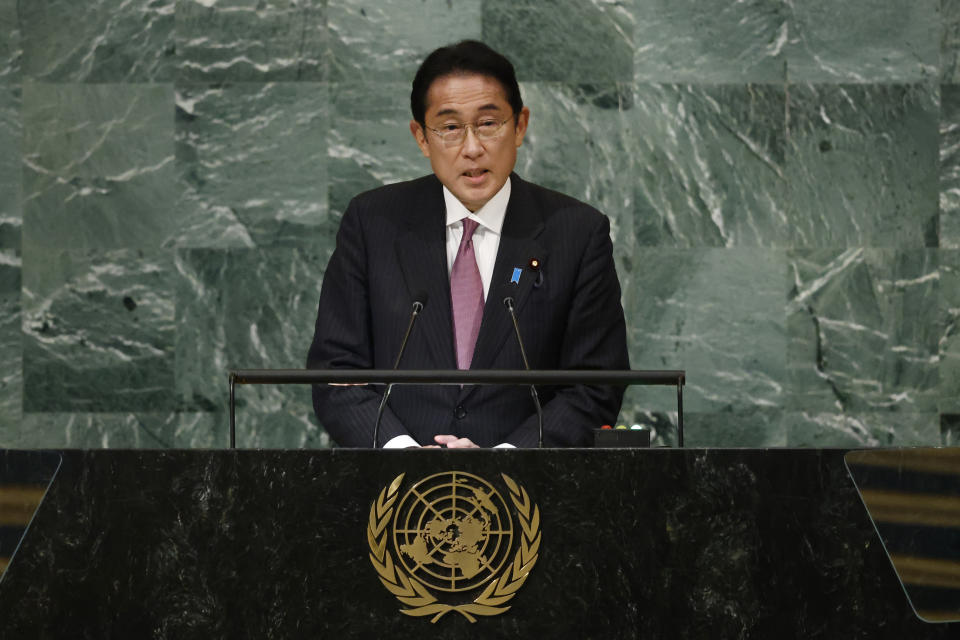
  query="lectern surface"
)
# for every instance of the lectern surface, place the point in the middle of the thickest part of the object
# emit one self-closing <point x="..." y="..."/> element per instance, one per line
<point x="279" y="544"/>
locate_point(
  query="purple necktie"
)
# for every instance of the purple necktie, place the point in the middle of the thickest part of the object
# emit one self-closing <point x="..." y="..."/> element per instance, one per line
<point x="466" y="296"/>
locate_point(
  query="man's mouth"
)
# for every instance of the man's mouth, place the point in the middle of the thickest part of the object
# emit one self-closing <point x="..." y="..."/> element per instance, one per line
<point x="474" y="173"/>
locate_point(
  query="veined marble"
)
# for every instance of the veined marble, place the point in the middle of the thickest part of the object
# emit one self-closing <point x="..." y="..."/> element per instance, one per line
<point x="248" y="308"/>
<point x="718" y="313"/>
<point x="862" y="165"/>
<point x="950" y="332"/>
<point x="10" y="136"/>
<point x="864" y="330"/>
<point x="98" y="166"/>
<point x="251" y="40"/>
<point x="108" y="41"/>
<point x="386" y="40"/>
<point x="950" y="41"/>
<point x="852" y="42"/>
<point x="708" y="166"/>
<point x="950" y="166"/>
<point x="757" y="427"/>
<point x="10" y="50"/>
<point x="251" y="160"/>
<point x="713" y="41"/>
<point x="11" y="375"/>
<point x="369" y="142"/>
<point x="101" y="430"/>
<point x="575" y="143"/>
<point x="856" y="429"/>
<point x="672" y="165"/>
<point x="567" y="41"/>
<point x="98" y="331"/>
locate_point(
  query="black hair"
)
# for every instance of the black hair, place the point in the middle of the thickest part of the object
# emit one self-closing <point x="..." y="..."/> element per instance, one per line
<point x="466" y="56"/>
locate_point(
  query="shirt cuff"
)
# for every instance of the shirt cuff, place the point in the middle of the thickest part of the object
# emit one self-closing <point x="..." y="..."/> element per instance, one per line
<point x="504" y="445"/>
<point x="401" y="442"/>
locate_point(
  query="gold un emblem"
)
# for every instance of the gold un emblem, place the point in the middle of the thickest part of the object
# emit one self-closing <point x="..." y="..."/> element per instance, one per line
<point x="449" y="544"/>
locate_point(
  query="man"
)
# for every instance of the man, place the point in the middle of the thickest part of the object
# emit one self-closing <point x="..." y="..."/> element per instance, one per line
<point x="406" y="242"/>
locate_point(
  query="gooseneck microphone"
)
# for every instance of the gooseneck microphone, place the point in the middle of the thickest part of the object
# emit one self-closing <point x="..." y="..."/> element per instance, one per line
<point x="418" y="301"/>
<point x="509" y="304"/>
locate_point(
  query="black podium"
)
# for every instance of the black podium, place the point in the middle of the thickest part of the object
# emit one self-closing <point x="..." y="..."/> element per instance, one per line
<point x="280" y="544"/>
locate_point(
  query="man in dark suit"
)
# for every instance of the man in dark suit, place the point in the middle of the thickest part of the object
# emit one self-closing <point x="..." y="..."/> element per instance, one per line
<point x="461" y="240"/>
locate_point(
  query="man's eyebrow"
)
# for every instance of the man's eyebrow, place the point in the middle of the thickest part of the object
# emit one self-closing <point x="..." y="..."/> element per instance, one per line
<point x="451" y="111"/>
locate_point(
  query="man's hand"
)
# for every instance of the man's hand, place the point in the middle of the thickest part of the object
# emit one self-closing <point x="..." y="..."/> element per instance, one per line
<point x="453" y="442"/>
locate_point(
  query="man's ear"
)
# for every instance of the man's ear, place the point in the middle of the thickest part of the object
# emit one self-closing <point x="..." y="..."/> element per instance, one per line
<point x="520" y="129"/>
<point x="420" y="136"/>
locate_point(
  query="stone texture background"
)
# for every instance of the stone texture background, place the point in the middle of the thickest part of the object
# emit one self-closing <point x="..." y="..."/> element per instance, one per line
<point x="783" y="180"/>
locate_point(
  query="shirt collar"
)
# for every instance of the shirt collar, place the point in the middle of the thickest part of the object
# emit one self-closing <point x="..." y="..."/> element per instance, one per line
<point x="490" y="215"/>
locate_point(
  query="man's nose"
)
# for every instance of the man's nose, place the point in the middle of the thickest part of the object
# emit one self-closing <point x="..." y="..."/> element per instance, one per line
<point x="471" y="144"/>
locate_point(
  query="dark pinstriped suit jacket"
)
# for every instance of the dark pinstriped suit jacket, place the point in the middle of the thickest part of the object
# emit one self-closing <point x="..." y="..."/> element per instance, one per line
<point x="391" y="246"/>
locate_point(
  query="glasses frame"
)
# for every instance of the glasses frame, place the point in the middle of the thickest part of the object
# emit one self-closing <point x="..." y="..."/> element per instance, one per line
<point x="449" y="141"/>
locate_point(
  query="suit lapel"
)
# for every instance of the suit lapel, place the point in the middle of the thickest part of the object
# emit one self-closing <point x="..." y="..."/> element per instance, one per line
<point x="421" y="252"/>
<point x="518" y="244"/>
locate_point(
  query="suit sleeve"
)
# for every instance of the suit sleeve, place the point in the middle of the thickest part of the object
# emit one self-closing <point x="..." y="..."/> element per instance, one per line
<point x="595" y="337"/>
<point x="343" y="340"/>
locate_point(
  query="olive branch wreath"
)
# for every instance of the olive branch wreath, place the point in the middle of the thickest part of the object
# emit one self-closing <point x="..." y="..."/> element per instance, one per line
<point x="414" y="594"/>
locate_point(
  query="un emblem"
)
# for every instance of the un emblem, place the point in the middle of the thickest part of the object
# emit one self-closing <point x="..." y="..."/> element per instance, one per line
<point x="450" y="544"/>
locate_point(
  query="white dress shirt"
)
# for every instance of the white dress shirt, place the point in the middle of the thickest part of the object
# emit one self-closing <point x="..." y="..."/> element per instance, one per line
<point x="486" y="243"/>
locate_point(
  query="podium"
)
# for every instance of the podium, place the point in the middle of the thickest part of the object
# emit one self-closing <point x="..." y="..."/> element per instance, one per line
<point x="659" y="543"/>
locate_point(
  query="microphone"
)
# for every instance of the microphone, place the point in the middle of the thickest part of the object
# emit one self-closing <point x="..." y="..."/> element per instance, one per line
<point x="418" y="301"/>
<point x="508" y="302"/>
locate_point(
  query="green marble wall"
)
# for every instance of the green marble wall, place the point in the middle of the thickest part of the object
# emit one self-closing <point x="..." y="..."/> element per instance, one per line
<point x="783" y="180"/>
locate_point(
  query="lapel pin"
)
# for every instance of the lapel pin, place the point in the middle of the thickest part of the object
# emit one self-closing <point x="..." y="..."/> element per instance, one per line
<point x="515" y="278"/>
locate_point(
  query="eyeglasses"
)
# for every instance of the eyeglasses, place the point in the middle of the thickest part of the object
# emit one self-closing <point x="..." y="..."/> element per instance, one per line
<point x="455" y="133"/>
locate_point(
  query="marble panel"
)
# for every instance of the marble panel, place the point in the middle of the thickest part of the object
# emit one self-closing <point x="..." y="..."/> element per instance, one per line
<point x="11" y="347"/>
<point x="852" y="42"/>
<point x="120" y="431"/>
<point x="717" y="41"/>
<point x="98" y="166"/>
<point x="949" y="41"/>
<point x="10" y="137"/>
<point x="950" y="332"/>
<point x="10" y="45"/>
<point x="757" y="428"/>
<point x="575" y="144"/>
<point x="251" y="159"/>
<point x="871" y="429"/>
<point x="718" y="314"/>
<point x="109" y="41"/>
<point x="249" y="309"/>
<point x="251" y="40"/>
<point x="566" y="41"/>
<point x="387" y="40"/>
<point x="369" y="140"/>
<point x="950" y="166"/>
<point x="864" y="327"/>
<point x="708" y="165"/>
<point x="862" y="165"/>
<point x="98" y="331"/>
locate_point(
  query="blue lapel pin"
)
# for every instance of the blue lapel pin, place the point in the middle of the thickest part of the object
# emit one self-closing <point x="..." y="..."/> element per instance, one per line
<point x="515" y="278"/>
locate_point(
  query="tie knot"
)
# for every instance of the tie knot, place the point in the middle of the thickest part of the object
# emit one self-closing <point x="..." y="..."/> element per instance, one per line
<point x="469" y="226"/>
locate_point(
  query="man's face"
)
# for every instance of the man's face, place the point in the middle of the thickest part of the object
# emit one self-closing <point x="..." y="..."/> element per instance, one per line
<point x="473" y="170"/>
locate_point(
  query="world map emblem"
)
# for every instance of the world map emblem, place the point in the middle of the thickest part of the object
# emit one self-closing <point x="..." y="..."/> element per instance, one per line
<point x="453" y="543"/>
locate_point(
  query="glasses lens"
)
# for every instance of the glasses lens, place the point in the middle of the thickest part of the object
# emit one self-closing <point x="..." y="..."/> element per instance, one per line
<point x="453" y="135"/>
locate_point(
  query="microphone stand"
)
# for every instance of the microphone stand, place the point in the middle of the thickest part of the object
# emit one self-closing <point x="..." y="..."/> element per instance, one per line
<point x="417" y="308"/>
<point x="508" y="303"/>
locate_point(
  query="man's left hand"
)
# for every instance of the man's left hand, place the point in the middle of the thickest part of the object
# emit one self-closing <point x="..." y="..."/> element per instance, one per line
<point x="453" y="442"/>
